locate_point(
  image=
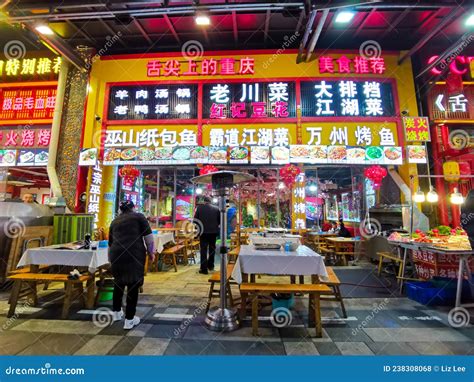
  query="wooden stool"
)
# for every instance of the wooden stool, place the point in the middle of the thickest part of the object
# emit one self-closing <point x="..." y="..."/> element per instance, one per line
<point x="394" y="258"/>
<point x="216" y="279"/>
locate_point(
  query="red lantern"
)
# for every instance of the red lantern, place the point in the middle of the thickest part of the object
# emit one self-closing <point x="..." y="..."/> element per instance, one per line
<point x="454" y="84"/>
<point x="129" y="175"/>
<point x="208" y="169"/>
<point x="288" y="174"/>
<point x="375" y="174"/>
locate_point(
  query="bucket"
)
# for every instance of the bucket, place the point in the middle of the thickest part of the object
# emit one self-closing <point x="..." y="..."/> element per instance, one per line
<point x="280" y="300"/>
<point x="107" y="291"/>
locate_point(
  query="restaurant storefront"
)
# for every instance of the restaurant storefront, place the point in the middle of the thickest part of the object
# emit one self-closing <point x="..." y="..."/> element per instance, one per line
<point x="28" y="88"/>
<point x="256" y="111"/>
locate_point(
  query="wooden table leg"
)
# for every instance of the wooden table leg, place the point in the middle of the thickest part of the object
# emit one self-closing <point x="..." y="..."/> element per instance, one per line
<point x="317" y="315"/>
<point x="68" y="290"/>
<point x="14" y="297"/>
<point x="243" y="298"/>
<point x="90" y="286"/>
<point x="255" y="314"/>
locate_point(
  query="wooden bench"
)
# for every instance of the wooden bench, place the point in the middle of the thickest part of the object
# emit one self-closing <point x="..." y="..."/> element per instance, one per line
<point x="394" y="258"/>
<point x="169" y="255"/>
<point x="27" y="269"/>
<point x="71" y="293"/>
<point x="314" y="290"/>
<point x="216" y="279"/>
<point x="334" y="283"/>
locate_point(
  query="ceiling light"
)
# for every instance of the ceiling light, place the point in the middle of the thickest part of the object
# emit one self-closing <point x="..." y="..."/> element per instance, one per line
<point x="281" y="186"/>
<point x="419" y="196"/>
<point x="456" y="197"/>
<point x="44" y="29"/>
<point x="344" y="17"/>
<point x="202" y="20"/>
<point x="432" y="195"/>
<point x="198" y="191"/>
<point x="470" y="21"/>
<point x="214" y="200"/>
<point x="313" y="188"/>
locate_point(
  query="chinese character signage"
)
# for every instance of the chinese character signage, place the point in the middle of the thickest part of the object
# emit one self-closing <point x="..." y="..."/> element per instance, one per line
<point x="358" y="65"/>
<point x="249" y="100"/>
<point x="299" y="203"/>
<point x="248" y="136"/>
<point x="27" y="103"/>
<point x="94" y="193"/>
<point x="206" y="67"/>
<point x="150" y="102"/>
<point x="444" y="106"/>
<point x="29" y="68"/>
<point x="150" y="137"/>
<point x="417" y="129"/>
<point x="347" y="98"/>
<point x="25" y="137"/>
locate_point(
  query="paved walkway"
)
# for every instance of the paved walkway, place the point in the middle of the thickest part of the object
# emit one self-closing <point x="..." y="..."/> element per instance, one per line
<point x="172" y="310"/>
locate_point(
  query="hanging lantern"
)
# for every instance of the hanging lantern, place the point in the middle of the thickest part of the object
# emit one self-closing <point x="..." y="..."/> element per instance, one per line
<point x="208" y="169"/>
<point x="464" y="171"/>
<point x="375" y="174"/>
<point x="288" y="174"/>
<point x="129" y="174"/>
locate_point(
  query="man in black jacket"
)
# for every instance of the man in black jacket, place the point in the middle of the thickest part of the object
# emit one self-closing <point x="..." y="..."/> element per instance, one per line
<point x="209" y="216"/>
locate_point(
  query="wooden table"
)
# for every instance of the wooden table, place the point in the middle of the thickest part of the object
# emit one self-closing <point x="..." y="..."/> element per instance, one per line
<point x="344" y="246"/>
<point x="252" y="262"/>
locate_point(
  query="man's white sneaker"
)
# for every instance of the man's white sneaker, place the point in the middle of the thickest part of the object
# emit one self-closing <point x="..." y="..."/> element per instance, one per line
<point x="130" y="324"/>
<point x="117" y="316"/>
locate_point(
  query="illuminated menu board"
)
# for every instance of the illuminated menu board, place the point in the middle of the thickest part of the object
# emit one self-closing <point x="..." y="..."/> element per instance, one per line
<point x="347" y="98"/>
<point x="27" y="103"/>
<point x="152" y="102"/>
<point x="249" y="100"/>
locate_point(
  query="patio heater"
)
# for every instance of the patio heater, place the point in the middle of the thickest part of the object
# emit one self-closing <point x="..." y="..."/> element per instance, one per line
<point x="222" y="318"/>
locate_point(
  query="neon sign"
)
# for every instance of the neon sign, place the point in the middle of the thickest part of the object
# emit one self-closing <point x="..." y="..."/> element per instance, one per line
<point x="458" y="65"/>
<point x="30" y="66"/>
<point x="94" y="193"/>
<point x="359" y="65"/>
<point x="205" y="67"/>
<point x="27" y="103"/>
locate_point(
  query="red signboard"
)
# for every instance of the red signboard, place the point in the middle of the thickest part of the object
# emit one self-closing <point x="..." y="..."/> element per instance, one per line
<point x="417" y="129"/>
<point x="359" y="64"/>
<point x="25" y="137"/>
<point x="21" y="103"/>
<point x="205" y="67"/>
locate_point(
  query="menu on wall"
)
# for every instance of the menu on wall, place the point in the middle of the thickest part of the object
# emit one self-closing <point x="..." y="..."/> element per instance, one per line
<point x="22" y="103"/>
<point x="359" y="98"/>
<point x="249" y="100"/>
<point x="150" y="102"/>
<point x="385" y="155"/>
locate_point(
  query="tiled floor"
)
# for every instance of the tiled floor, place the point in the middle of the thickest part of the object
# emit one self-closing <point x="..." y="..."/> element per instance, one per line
<point x="172" y="311"/>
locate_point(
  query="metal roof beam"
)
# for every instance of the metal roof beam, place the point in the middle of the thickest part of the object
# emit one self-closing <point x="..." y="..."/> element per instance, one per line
<point x="361" y="26"/>
<point x="395" y="22"/>
<point x="171" y="28"/>
<point x="268" y="15"/>
<point x="307" y="32"/>
<point x="234" y="27"/>
<point x="142" y="31"/>
<point x="446" y="20"/>
<point x="316" y="34"/>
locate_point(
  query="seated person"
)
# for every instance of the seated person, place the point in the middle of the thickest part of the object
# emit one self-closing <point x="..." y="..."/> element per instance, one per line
<point x="334" y="228"/>
<point x="343" y="231"/>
